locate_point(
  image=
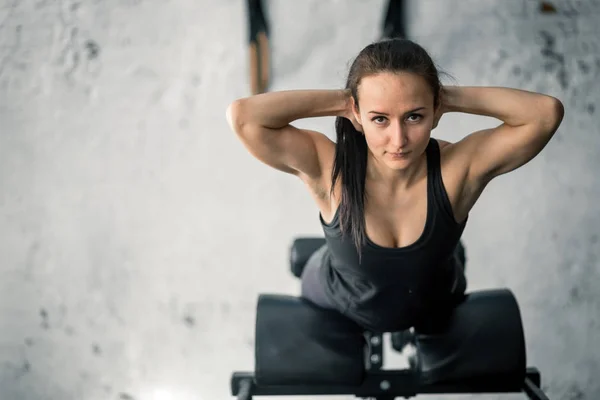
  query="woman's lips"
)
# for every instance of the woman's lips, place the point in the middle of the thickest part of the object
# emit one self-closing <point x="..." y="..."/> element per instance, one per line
<point x="399" y="155"/>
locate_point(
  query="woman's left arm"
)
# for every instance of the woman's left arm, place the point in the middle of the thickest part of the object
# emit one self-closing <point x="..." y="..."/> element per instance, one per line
<point x="529" y="122"/>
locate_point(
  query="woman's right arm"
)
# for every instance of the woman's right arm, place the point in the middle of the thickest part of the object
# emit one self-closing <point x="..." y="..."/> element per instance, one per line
<point x="262" y="123"/>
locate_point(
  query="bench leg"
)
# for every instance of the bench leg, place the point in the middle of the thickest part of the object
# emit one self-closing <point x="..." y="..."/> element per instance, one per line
<point x="533" y="390"/>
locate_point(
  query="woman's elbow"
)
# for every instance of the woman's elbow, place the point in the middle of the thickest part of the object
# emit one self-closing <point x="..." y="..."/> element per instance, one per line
<point x="557" y="112"/>
<point x="234" y="115"/>
<point x="552" y="115"/>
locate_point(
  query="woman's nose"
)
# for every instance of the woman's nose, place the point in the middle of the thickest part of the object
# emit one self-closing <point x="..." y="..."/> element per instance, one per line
<point x="399" y="138"/>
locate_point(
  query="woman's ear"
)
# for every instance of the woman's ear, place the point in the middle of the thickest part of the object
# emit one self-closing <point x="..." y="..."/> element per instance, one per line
<point x="355" y="111"/>
<point x="353" y="115"/>
<point x="439" y="109"/>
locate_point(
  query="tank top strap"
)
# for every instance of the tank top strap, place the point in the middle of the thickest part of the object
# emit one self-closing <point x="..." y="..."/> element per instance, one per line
<point x="436" y="183"/>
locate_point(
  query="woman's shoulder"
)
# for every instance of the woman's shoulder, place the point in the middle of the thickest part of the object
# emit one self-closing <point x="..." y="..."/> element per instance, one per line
<point x="454" y="166"/>
<point x="449" y="151"/>
<point x="442" y="143"/>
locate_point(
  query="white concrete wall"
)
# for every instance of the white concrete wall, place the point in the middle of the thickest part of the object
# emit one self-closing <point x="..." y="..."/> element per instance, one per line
<point x="136" y="232"/>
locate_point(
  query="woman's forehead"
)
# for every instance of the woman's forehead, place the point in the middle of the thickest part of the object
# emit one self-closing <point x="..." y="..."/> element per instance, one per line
<point x="402" y="90"/>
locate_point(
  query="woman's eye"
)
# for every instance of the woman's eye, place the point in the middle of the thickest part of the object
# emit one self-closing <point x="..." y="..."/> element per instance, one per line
<point x="415" y="117"/>
<point x="378" y="120"/>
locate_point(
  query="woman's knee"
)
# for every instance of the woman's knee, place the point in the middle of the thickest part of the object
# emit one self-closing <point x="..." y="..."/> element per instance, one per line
<point x="460" y="255"/>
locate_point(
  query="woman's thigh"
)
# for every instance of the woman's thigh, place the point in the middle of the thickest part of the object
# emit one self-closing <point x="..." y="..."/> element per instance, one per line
<point x="312" y="286"/>
<point x="459" y="285"/>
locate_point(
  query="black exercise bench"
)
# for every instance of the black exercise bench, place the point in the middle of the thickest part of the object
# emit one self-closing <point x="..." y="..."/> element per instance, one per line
<point x="301" y="349"/>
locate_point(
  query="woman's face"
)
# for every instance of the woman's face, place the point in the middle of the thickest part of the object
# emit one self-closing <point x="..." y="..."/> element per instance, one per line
<point x="396" y="112"/>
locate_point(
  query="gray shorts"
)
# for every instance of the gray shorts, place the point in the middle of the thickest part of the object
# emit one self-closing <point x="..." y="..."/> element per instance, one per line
<point x="312" y="285"/>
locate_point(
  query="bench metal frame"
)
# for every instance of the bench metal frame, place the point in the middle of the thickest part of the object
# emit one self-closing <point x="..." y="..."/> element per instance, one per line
<point x="387" y="385"/>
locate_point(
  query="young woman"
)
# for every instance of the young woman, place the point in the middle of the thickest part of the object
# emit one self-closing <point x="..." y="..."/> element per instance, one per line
<point x="393" y="201"/>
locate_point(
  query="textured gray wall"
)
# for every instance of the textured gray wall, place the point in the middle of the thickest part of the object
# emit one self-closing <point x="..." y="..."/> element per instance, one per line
<point x="136" y="232"/>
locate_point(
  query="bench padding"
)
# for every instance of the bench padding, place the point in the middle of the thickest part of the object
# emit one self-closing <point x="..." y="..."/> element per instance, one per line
<point x="299" y="343"/>
<point x="484" y="337"/>
<point x="300" y="252"/>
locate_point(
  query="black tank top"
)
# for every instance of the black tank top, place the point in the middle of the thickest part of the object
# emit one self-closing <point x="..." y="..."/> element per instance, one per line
<point x="394" y="288"/>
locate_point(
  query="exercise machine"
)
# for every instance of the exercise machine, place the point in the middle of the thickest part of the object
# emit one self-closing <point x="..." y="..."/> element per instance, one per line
<point x="304" y="350"/>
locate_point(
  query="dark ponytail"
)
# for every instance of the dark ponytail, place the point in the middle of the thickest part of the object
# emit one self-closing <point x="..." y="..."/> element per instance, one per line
<point x="351" y="165"/>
